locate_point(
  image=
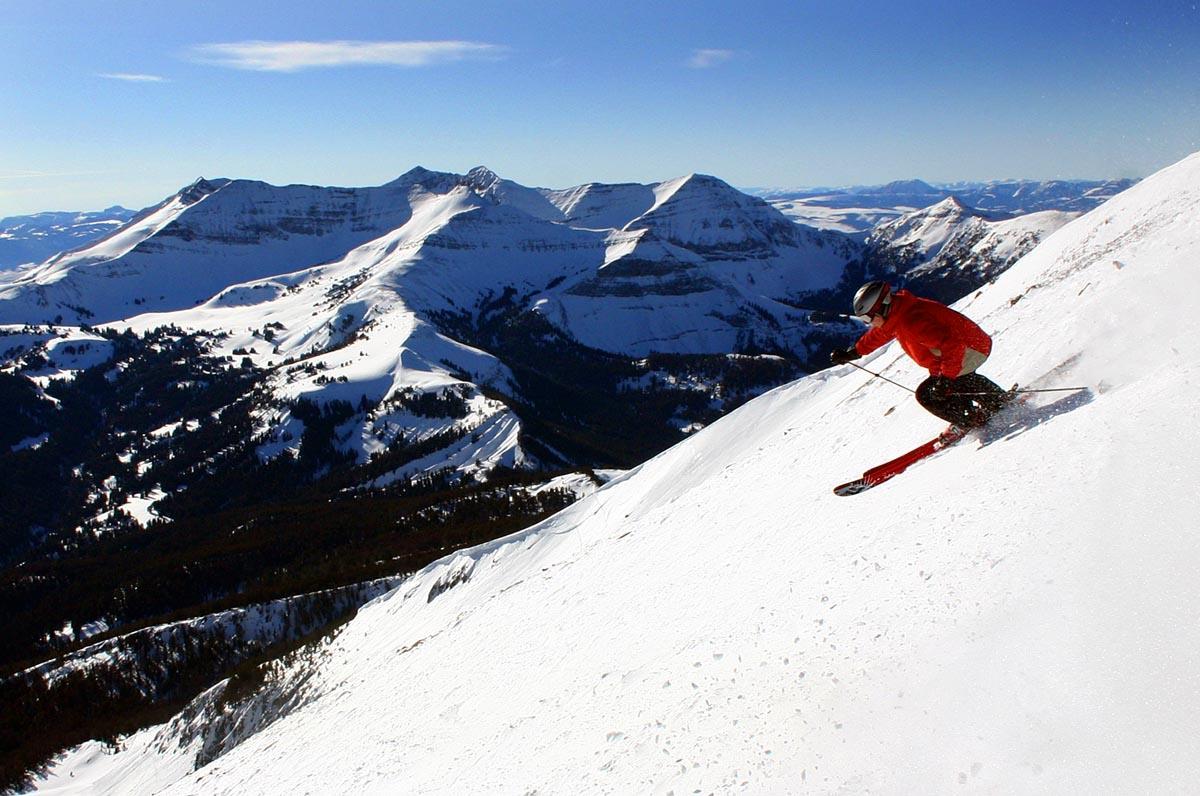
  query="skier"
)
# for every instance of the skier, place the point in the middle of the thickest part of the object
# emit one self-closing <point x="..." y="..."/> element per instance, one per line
<point x="945" y="342"/>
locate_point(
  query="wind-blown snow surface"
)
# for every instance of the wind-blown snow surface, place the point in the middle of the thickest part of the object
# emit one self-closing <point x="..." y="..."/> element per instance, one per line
<point x="1011" y="617"/>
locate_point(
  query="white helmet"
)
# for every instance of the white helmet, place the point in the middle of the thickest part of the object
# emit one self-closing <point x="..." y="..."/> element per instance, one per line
<point x="871" y="298"/>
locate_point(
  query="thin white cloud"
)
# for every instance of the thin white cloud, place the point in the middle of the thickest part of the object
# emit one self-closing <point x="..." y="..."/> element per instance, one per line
<point x="132" y="78"/>
<point x="704" y="59"/>
<point x="293" y="56"/>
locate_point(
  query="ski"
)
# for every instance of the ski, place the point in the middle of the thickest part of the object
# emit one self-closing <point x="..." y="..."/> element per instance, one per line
<point x="888" y="470"/>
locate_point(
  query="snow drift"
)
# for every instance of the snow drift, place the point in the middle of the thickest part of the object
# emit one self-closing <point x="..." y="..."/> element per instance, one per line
<point x="1016" y="616"/>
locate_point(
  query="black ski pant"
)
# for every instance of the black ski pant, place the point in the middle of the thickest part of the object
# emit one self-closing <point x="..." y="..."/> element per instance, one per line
<point x="968" y="401"/>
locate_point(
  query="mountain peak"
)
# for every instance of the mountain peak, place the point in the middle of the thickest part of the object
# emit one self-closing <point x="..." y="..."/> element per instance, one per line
<point x="908" y="186"/>
<point x="419" y="175"/>
<point x="903" y="188"/>
<point x="482" y="177"/>
<point x="950" y="204"/>
<point x="705" y="180"/>
<point x="690" y="186"/>
<point x="201" y="188"/>
<point x="953" y="206"/>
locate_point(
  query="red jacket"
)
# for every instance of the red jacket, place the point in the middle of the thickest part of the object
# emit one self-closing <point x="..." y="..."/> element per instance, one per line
<point x="931" y="333"/>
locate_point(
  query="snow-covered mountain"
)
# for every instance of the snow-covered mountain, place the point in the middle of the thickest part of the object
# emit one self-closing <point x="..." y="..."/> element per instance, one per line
<point x="1018" y="614"/>
<point x="216" y="234"/>
<point x="948" y="249"/>
<point x="699" y="250"/>
<point x="1012" y="196"/>
<point x="33" y="238"/>
<point x="601" y="206"/>
<point x="923" y="233"/>
<point x="367" y="296"/>
<point x="857" y="210"/>
<point x="979" y="251"/>
<point x="912" y="193"/>
<point x="1032" y="196"/>
<point x="210" y="235"/>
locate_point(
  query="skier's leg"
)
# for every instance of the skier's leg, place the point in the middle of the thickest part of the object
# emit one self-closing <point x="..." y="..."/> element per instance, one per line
<point x="969" y="400"/>
<point x="977" y="397"/>
<point x="935" y="394"/>
<point x="994" y="396"/>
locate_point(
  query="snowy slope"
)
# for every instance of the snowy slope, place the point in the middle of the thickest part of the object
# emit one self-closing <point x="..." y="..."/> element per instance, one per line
<point x="33" y="238"/>
<point x="855" y="221"/>
<point x="1016" y="617"/>
<point x="600" y="206"/>
<point x="208" y="236"/>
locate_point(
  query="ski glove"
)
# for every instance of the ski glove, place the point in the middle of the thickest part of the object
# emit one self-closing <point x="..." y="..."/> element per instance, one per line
<point x="840" y="356"/>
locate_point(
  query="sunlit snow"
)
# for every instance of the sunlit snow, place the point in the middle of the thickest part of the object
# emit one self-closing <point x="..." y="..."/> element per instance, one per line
<point x="1018" y="614"/>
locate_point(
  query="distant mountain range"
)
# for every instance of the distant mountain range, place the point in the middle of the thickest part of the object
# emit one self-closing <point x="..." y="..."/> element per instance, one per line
<point x="856" y="210"/>
<point x="596" y="243"/>
<point x="453" y="289"/>
<point x="33" y="238"/>
<point x="1012" y="196"/>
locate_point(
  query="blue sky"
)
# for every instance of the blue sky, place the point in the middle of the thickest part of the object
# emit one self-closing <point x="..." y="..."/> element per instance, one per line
<point x="123" y="101"/>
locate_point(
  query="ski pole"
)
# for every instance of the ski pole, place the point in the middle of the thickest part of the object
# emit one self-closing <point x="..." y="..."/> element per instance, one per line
<point x="881" y="376"/>
<point x="1057" y="389"/>
<point x="1047" y="389"/>
<point x="910" y="389"/>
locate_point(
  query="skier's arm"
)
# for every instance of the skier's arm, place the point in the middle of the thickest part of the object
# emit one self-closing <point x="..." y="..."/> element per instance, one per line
<point x="874" y="338"/>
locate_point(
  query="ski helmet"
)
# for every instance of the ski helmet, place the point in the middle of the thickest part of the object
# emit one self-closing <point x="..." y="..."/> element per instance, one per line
<point x="871" y="299"/>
